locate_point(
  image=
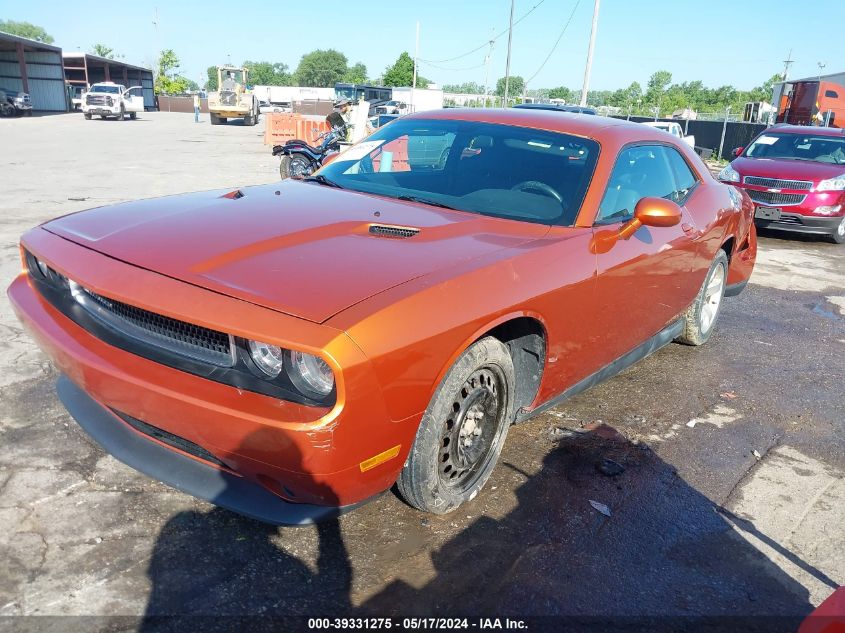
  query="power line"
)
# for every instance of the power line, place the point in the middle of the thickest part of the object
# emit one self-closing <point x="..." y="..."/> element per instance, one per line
<point x="455" y="69"/>
<point x="451" y="59"/>
<point x="559" y="37"/>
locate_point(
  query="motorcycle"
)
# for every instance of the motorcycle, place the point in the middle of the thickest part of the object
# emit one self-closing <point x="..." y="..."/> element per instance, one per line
<point x="300" y="159"/>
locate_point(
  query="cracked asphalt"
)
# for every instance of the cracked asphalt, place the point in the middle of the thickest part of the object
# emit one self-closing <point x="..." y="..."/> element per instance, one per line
<point x="731" y="501"/>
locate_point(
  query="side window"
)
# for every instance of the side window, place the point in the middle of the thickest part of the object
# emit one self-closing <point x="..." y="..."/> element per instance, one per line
<point x="640" y="172"/>
<point x="684" y="177"/>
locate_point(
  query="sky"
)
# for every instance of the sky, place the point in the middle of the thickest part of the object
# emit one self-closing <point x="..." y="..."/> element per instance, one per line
<point x="740" y="43"/>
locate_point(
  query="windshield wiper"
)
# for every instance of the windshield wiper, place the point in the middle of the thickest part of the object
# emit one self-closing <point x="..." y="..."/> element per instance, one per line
<point x="321" y="179"/>
<point x="432" y="203"/>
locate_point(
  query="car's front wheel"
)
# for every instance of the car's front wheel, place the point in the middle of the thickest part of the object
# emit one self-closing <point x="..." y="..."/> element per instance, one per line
<point x="462" y="431"/>
<point x="700" y="318"/>
<point x="838" y="236"/>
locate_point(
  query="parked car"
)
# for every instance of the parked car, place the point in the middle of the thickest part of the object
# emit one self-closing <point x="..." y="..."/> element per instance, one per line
<point x="289" y="351"/>
<point x="557" y="107"/>
<point x="265" y="107"/>
<point x="14" y="102"/>
<point x="672" y="128"/>
<point x="796" y="177"/>
<point x="392" y="107"/>
<point x="108" y="99"/>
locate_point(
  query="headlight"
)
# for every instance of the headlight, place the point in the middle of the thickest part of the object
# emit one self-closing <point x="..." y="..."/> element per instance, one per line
<point x="310" y="374"/>
<point x="268" y="358"/>
<point x="828" y="210"/>
<point x="42" y="267"/>
<point x="832" y="184"/>
<point x="729" y="174"/>
<point x="109" y="100"/>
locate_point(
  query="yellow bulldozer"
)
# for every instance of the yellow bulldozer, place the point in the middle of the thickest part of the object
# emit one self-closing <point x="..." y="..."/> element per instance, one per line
<point x="233" y="99"/>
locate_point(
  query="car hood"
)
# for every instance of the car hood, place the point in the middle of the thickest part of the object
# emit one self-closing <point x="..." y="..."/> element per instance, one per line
<point x="787" y="169"/>
<point x="300" y="248"/>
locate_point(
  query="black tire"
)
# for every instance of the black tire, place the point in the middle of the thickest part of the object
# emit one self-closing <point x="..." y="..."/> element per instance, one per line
<point x="296" y="166"/>
<point x="701" y="317"/>
<point x="133" y="115"/>
<point x="838" y="236"/>
<point x="462" y="431"/>
<point x="122" y="115"/>
<point x="87" y="115"/>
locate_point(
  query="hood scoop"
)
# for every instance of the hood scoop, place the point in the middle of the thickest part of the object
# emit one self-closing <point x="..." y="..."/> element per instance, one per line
<point x="396" y="232"/>
<point x="237" y="194"/>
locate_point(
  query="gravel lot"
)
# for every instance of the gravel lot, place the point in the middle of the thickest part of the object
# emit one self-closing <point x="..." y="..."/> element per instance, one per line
<point x="732" y="501"/>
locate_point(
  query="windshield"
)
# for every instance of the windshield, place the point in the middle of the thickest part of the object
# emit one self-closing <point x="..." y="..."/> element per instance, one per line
<point x="812" y="147"/>
<point x="109" y="89"/>
<point x="345" y="93"/>
<point x="489" y="169"/>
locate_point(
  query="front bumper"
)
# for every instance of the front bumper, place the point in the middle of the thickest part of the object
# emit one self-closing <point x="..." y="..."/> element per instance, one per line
<point x="101" y="110"/>
<point x="302" y="454"/>
<point x="221" y="487"/>
<point x="799" y="223"/>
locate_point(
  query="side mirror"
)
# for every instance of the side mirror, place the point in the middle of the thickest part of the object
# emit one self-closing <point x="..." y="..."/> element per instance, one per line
<point x="657" y="212"/>
<point x="737" y="151"/>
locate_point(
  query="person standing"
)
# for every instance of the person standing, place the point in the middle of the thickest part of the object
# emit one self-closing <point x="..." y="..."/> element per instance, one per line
<point x="197" y="107"/>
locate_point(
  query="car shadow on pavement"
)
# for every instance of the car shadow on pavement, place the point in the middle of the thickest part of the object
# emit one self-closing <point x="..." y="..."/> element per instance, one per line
<point x="664" y="559"/>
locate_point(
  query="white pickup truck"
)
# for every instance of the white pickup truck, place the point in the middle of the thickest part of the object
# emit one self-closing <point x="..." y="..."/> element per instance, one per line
<point x="674" y="129"/>
<point x="108" y="99"/>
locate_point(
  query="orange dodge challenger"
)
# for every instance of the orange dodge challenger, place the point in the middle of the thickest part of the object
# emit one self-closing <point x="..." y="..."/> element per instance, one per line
<point x="289" y="351"/>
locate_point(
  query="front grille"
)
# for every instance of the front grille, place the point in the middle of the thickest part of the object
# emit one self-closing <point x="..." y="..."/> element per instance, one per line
<point x="186" y="446"/>
<point x="177" y="336"/>
<point x="95" y="99"/>
<point x="769" y="197"/>
<point x="392" y="231"/>
<point x="228" y="98"/>
<point x="777" y="183"/>
<point x="789" y="219"/>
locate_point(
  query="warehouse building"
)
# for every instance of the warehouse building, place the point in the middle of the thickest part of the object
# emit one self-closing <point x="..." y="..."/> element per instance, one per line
<point x="34" y="68"/>
<point x="84" y="69"/>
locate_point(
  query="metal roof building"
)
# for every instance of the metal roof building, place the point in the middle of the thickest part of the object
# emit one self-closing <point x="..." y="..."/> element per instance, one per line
<point x="35" y="68"/>
<point x="84" y="69"/>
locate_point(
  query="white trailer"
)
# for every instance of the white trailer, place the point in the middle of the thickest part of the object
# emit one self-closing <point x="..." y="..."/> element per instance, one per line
<point x="419" y="99"/>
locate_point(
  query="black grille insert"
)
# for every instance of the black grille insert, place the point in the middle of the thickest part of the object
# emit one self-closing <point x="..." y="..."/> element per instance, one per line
<point x="170" y="439"/>
<point x="383" y="230"/>
<point x="769" y="197"/>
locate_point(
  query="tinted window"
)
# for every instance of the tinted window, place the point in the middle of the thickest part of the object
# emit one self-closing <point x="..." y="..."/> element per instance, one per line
<point x="831" y="93"/>
<point x="640" y="172"/>
<point x="685" y="179"/>
<point x="499" y="170"/>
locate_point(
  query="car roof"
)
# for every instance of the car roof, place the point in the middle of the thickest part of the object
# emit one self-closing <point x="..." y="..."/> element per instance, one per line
<point x="560" y="107"/>
<point x="805" y="129"/>
<point x="597" y="127"/>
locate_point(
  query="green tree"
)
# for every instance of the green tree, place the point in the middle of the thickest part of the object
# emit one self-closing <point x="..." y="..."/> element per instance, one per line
<point x="321" y="68"/>
<point x="27" y="30"/>
<point x="515" y="86"/>
<point x="101" y="50"/>
<point x="211" y="84"/>
<point x="401" y="73"/>
<point x="656" y="87"/>
<point x="468" y="88"/>
<point x="356" y="74"/>
<point x="266" y="74"/>
<point x="561" y="92"/>
<point x="167" y="80"/>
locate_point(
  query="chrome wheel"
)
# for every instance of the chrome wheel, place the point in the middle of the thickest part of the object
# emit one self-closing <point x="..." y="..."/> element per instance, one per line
<point x="470" y="431"/>
<point x="840" y="231"/>
<point x="300" y="167"/>
<point x="712" y="298"/>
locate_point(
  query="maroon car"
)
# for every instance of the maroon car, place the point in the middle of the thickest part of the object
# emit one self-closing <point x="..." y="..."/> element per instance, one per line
<point x="796" y="177"/>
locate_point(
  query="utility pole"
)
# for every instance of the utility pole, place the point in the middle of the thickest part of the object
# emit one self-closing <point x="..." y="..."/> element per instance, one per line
<point x="487" y="67"/>
<point x="786" y="64"/>
<point x="724" y="128"/>
<point x="508" y="63"/>
<point x="416" y="57"/>
<point x="589" y="66"/>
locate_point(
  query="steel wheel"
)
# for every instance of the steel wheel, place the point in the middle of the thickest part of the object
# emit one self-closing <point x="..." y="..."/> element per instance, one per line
<point x="713" y="294"/>
<point x="469" y="433"/>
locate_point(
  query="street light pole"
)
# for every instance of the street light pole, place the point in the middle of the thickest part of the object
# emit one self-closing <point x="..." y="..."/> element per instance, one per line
<point x="508" y="63"/>
<point x="416" y="56"/>
<point x="589" y="66"/>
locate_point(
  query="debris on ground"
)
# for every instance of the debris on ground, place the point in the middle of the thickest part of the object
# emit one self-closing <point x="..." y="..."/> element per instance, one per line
<point x="610" y="468"/>
<point x="756" y="454"/>
<point x="600" y="507"/>
<point x="691" y="424"/>
<point x="560" y="432"/>
<point x="729" y="395"/>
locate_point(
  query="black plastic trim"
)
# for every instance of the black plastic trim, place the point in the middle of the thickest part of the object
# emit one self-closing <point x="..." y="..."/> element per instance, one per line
<point x="735" y="289"/>
<point x="198" y="479"/>
<point x="651" y="345"/>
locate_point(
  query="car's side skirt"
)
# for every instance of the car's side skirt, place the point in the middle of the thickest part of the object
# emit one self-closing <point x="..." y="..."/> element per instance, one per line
<point x="651" y="345"/>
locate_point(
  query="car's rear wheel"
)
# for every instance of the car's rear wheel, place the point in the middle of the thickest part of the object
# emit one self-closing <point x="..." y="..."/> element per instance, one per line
<point x="462" y="431"/>
<point x="838" y="236"/>
<point x="700" y="318"/>
<point x="87" y="115"/>
<point x="133" y="115"/>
